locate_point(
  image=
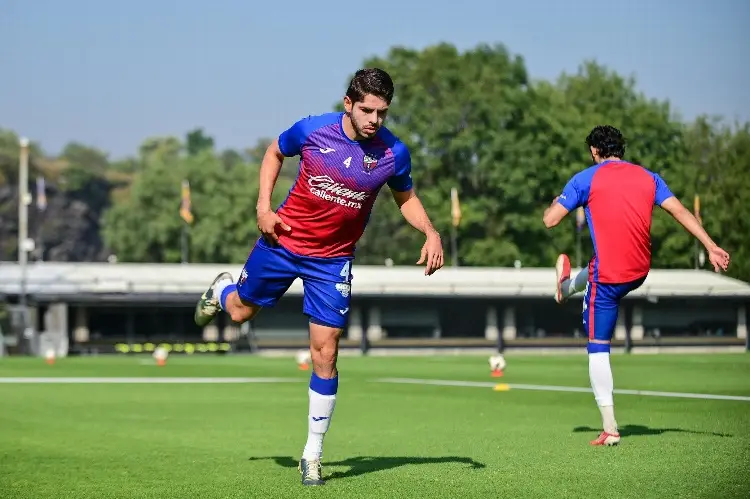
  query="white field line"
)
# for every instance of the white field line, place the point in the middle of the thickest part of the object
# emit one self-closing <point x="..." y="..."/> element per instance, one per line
<point x="435" y="382"/>
<point x="551" y="388"/>
<point x="165" y="380"/>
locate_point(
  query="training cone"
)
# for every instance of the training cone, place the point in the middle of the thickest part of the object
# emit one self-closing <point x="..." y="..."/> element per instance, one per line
<point x="497" y="373"/>
<point x="304" y="366"/>
<point x="49" y="357"/>
<point x="502" y="387"/>
<point x="161" y="362"/>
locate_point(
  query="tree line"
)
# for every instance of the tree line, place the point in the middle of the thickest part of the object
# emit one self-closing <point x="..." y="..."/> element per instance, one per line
<point x="473" y="120"/>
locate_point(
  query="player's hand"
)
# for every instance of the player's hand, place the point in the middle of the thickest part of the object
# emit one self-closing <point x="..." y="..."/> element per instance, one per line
<point x="718" y="258"/>
<point x="432" y="253"/>
<point x="268" y="220"/>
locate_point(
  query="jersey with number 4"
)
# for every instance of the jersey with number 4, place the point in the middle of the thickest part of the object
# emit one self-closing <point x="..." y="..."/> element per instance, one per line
<point x="338" y="181"/>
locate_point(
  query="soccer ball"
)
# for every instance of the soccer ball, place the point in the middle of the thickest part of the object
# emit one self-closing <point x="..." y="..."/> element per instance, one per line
<point x="303" y="358"/>
<point x="160" y="355"/>
<point x="49" y="356"/>
<point x="497" y="362"/>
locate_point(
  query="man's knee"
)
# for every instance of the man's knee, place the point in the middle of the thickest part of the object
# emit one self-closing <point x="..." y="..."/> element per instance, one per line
<point x="326" y="353"/>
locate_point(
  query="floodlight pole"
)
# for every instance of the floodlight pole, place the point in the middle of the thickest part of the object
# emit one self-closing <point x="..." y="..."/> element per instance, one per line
<point x="24" y="199"/>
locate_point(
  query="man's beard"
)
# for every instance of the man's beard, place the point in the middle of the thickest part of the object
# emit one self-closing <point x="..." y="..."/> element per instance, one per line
<point x="359" y="128"/>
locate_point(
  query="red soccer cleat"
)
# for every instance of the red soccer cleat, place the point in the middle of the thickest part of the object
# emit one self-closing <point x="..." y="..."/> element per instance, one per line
<point x="607" y="439"/>
<point x="562" y="268"/>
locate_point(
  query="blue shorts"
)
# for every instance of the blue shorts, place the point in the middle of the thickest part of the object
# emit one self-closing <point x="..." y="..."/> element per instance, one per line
<point x="271" y="270"/>
<point x="601" y="303"/>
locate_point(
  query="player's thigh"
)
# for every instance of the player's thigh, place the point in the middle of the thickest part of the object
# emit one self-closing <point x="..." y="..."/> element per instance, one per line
<point x="267" y="275"/>
<point x="327" y="291"/>
<point x="601" y="305"/>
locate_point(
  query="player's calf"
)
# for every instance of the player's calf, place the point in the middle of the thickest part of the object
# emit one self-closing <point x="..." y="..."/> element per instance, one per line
<point x="324" y="349"/>
<point x="240" y="311"/>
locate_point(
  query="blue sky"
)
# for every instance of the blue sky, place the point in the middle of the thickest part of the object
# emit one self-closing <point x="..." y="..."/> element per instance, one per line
<point x="110" y="74"/>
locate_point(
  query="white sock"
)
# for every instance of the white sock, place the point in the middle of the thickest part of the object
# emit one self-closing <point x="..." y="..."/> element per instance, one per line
<point x="319" y="419"/>
<point x="602" y="383"/>
<point x="220" y="287"/>
<point x="576" y="284"/>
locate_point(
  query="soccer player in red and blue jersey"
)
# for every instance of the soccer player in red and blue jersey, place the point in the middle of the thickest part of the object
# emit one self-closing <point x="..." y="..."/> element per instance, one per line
<point x="618" y="198"/>
<point x="346" y="158"/>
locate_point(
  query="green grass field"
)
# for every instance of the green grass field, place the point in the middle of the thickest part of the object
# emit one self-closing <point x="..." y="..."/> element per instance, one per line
<point x="386" y="440"/>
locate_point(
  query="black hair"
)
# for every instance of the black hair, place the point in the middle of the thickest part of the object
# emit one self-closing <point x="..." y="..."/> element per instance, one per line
<point x="372" y="81"/>
<point x="608" y="141"/>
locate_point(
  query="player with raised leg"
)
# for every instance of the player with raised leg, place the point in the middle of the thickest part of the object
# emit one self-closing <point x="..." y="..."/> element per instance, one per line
<point x="345" y="159"/>
<point x="618" y="198"/>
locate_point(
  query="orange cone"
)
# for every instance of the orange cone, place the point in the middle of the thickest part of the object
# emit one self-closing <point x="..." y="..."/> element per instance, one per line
<point x="497" y="373"/>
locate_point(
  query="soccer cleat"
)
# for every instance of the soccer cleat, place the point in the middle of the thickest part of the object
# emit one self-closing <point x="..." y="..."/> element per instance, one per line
<point x="607" y="439"/>
<point x="562" y="268"/>
<point x="208" y="306"/>
<point x="312" y="473"/>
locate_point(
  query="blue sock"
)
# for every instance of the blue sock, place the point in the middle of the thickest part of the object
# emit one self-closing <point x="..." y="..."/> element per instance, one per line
<point x="224" y="293"/>
<point x="324" y="386"/>
<point x="598" y="347"/>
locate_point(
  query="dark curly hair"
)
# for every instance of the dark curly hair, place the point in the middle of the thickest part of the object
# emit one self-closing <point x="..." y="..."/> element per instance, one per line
<point x="608" y="141"/>
<point x="373" y="81"/>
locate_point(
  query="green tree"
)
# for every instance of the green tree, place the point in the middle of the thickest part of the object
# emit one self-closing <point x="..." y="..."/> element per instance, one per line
<point x="655" y="139"/>
<point x="718" y="157"/>
<point x="197" y="141"/>
<point x="165" y="148"/>
<point x="145" y="226"/>
<point x="459" y="113"/>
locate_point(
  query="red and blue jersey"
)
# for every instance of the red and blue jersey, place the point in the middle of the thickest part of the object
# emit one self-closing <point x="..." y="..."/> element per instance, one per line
<point x="338" y="181"/>
<point x="618" y="198"/>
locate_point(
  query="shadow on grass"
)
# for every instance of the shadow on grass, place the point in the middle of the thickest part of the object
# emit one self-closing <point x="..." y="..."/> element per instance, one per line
<point x="370" y="464"/>
<point x="636" y="430"/>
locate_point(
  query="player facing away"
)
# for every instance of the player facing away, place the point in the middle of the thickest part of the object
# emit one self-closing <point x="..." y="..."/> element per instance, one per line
<point x="618" y="198"/>
<point x="345" y="159"/>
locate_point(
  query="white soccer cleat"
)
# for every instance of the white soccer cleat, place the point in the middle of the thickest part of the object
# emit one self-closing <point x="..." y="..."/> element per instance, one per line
<point x="312" y="472"/>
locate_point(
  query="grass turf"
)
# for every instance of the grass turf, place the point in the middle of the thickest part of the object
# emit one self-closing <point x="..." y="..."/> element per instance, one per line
<point x="386" y="440"/>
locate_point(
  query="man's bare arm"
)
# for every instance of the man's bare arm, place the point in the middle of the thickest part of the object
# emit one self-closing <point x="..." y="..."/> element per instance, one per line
<point x="674" y="207"/>
<point x="413" y="211"/>
<point x="269" y="174"/>
<point x="554" y="214"/>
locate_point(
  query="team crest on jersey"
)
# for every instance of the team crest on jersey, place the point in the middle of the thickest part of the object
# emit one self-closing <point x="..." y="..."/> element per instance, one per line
<point x="369" y="163"/>
<point x="343" y="288"/>
<point x="243" y="277"/>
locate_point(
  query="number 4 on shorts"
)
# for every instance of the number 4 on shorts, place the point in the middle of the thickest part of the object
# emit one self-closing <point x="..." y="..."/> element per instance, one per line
<point x="345" y="270"/>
